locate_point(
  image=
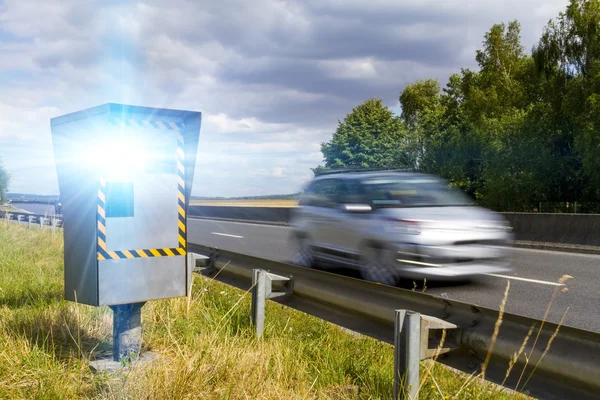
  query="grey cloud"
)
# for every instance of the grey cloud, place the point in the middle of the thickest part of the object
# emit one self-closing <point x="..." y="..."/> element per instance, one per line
<point x="298" y="74"/>
<point x="292" y="62"/>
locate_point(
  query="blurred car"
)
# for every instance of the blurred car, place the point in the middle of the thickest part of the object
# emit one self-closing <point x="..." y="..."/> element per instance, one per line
<point x="397" y="224"/>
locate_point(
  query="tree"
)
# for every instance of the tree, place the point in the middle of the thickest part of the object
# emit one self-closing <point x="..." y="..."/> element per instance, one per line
<point x="370" y="136"/>
<point x="568" y="60"/>
<point x="473" y="132"/>
<point x="4" y="181"/>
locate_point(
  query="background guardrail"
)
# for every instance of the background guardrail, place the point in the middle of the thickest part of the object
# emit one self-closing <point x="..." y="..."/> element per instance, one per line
<point x="32" y="220"/>
<point x="563" y="363"/>
<point x="574" y="229"/>
<point x="568" y="229"/>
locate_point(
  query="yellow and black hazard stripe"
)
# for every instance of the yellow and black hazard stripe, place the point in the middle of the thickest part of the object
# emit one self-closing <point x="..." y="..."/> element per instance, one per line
<point x="146" y="253"/>
<point x="104" y="254"/>
<point x="181" y="192"/>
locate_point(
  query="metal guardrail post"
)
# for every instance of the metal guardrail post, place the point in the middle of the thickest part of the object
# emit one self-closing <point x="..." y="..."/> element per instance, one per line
<point x="19" y="219"/>
<point x="192" y="259"/>
<point x="41" y="219"/>
<point x="407" y="354"/>
<point x="258" y="300"/>
<point x="54" y="222"/>
<point x="29" y="221"/>
<point x="262" y="289"/>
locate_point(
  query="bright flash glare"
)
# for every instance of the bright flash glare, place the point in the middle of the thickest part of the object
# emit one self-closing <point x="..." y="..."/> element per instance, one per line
<point x="121" y="160"/>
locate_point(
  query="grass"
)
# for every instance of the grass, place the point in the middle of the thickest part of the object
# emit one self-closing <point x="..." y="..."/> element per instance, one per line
<point x="207" y="343"/>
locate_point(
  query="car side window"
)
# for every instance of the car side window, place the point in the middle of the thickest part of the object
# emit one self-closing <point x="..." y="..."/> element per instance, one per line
<point x="353" y="193"/>
<point x="322" y="193"/>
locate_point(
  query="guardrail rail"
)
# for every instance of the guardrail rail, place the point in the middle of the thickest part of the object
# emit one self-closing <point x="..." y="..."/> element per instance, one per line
<point x="570" y="368"/>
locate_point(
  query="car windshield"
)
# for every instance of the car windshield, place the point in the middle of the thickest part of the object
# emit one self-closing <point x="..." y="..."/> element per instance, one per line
<point x="413" y="192"/>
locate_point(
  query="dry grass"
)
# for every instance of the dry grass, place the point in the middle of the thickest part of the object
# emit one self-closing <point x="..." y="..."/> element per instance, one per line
<point x="207" y="345"/>
<point x="246" y="203"/>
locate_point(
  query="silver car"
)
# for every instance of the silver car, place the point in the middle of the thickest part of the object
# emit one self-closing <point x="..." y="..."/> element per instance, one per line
<point x="394" y="225"/>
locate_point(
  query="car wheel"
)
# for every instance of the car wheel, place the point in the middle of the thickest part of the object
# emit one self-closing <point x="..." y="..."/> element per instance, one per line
<point x="374" y="268"/>
<point x="303" y="254"/>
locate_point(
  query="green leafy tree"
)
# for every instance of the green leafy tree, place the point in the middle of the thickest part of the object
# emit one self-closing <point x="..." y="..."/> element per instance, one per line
<point x="370" y="136"/>
<point x="568" y="59"/>
<point x="521" y="129"/>
<point x="4" y="181"/>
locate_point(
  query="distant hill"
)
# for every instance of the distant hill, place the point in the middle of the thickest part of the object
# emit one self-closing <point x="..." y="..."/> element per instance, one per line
<point x="31" y="197"/>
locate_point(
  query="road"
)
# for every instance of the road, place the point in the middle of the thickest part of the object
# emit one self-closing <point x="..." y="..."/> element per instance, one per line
<point x="35" y="208"/>
<point x="533" y="281"/>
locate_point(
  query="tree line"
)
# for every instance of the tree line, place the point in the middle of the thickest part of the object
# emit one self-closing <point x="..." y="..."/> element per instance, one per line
<point x="522" y="129"/>
<point x="4" y="181"/>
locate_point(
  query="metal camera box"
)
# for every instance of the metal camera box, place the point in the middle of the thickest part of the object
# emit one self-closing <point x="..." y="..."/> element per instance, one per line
<point x="125" y="176"/>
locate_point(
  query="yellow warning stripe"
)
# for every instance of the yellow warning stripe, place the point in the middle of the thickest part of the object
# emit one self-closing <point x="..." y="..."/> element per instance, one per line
<point x="128" y="254"/>
<point x="101" y="227"/>
<point x="101" y="211"/>
<point x="180" y="181"/>
<point x="101" y="257"/>
<point x="181" y="251"/>
<point x="101" y="196"/>
<point x="181" y="211"/>
<point x="181" y="226"/>
<point x="142" y="253"/>
<point x="182" y="240"/>
<point x="155" y="253"/>
<point x="169" y="252"/>
<point x="102" y="244"/>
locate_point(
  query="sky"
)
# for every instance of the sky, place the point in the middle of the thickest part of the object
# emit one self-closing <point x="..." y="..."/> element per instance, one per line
<point x="272" y="78"/>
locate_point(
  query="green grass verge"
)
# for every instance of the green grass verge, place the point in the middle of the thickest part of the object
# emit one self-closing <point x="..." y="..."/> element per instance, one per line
<point x="208" y="347"/>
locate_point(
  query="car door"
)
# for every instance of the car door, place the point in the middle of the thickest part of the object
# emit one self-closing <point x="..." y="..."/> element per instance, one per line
<point x="325" y="194"/>
<point x="348" y="225"/>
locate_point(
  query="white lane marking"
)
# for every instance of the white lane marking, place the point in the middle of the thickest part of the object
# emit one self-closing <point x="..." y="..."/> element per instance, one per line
<point x="553" y="252"/>
<point x="238" y="223"/>
<point x="228" y="235"/>
<point x="527" y="280"/>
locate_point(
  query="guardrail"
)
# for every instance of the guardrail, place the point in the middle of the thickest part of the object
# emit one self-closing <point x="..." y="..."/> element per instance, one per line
<point x="570" y="368"/>
<point x="32" y="220"/>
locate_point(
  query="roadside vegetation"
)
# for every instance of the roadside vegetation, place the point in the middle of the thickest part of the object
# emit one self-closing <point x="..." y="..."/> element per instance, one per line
<point x="207" y="346"/>
<point x="518" y="133"/>
<point x="4" y="181"/>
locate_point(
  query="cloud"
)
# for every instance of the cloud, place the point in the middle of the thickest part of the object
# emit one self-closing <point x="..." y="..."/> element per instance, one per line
<point x="272" y="78"/>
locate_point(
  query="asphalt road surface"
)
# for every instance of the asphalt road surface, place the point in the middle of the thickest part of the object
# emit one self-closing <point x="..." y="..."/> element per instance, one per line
<point x="35" y="208"/>
<point x="533" y="281"/>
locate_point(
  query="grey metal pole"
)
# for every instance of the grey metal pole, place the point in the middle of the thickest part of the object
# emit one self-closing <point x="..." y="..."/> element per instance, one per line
<point x="399" y="323"/>
<point x="30" y="219"/>
<point x="259" y="278"/>
<point x="407" y="341"/>
<point x="53" y="221"/>
<point x="127" y="331"/>
<point x="41" y="222"/>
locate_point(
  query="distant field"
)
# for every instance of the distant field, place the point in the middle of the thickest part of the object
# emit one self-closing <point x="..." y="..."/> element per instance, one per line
<point x="246" y="203"/>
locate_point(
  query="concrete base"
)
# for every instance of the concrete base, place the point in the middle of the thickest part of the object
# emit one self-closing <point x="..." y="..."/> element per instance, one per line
<point x="108" y="365"/>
